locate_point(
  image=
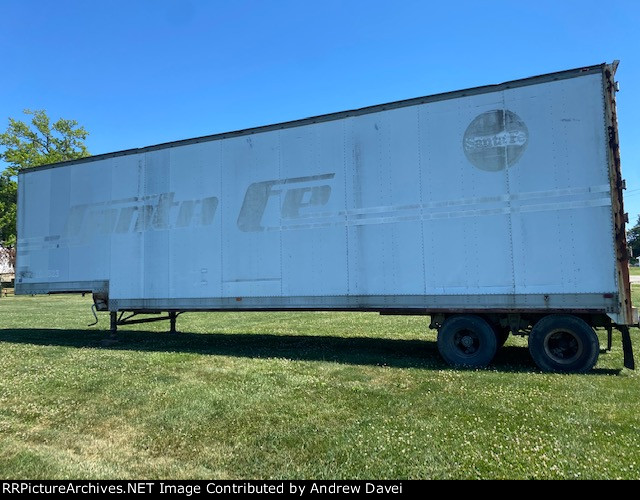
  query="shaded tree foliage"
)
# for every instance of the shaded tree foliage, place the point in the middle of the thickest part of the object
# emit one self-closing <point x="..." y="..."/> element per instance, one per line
<point x="633" y="239"/>
<point x="39" y="142"/>
<point x="8" y="194"/>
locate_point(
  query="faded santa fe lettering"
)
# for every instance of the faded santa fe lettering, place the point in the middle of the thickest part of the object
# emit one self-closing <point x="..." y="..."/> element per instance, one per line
<point x="298" y="194"/>
<point x="495" y="140"/>
<point x="155" y="212"/>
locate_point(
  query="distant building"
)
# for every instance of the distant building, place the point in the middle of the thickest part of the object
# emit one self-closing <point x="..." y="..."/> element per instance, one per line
<point x="7" y="257"/>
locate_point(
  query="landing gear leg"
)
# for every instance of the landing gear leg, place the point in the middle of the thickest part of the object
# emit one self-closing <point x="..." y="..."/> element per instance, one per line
<point x="172" y="320"/>
<point x="113" y="329"/>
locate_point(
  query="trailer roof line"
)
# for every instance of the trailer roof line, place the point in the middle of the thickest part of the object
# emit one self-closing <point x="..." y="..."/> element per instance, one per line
<point x="560" y="75"/>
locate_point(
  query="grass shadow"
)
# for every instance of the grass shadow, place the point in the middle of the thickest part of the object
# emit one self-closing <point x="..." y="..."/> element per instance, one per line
<point x="375" y="351"/>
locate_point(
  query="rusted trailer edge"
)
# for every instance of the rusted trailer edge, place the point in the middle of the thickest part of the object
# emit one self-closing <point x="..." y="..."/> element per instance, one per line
<point x="627" y="315"/>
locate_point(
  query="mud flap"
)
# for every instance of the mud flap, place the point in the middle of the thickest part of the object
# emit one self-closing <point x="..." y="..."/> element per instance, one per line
<point x="627" y="349"/>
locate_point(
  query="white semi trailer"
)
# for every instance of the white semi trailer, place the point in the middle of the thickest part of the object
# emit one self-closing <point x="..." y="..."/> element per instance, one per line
<point x="493" y="210"/>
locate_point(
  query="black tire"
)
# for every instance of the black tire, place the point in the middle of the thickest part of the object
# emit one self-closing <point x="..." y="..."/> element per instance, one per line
<point x="502" y="334"/>
<point x="467" y="341"/>
<point x="564" y="343"/>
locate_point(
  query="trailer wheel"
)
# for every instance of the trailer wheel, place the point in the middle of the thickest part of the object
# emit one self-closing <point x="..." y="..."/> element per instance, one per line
<point x="564" y="343"/>
<point x="467" y="340"/>
<point x="502" y="334"/>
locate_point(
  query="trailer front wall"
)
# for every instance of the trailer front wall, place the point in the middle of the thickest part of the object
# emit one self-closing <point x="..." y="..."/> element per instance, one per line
<point x="496" y="199"/>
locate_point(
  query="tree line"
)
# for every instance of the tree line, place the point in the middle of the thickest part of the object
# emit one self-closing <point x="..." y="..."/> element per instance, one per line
<point x="26" y="145"/>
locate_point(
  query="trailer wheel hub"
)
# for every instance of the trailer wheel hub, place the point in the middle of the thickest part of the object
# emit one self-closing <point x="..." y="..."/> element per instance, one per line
<point x="467" y="341"/>
<point x="563" y="346"/>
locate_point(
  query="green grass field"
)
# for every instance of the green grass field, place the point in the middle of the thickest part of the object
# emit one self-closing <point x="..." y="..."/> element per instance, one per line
<point x="295" y="395"/>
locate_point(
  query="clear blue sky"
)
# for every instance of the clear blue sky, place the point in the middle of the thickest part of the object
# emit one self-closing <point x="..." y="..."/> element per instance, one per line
<point x="142" y="72"/>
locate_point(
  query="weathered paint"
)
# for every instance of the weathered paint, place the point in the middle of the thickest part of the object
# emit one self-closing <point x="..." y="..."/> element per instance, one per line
<point x="483" y="199"/>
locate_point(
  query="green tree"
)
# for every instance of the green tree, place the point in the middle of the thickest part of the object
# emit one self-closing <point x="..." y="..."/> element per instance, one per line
<point x="8" y="193"/>
<point x="633" y="239"/>
<point x="29" y="145"/>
